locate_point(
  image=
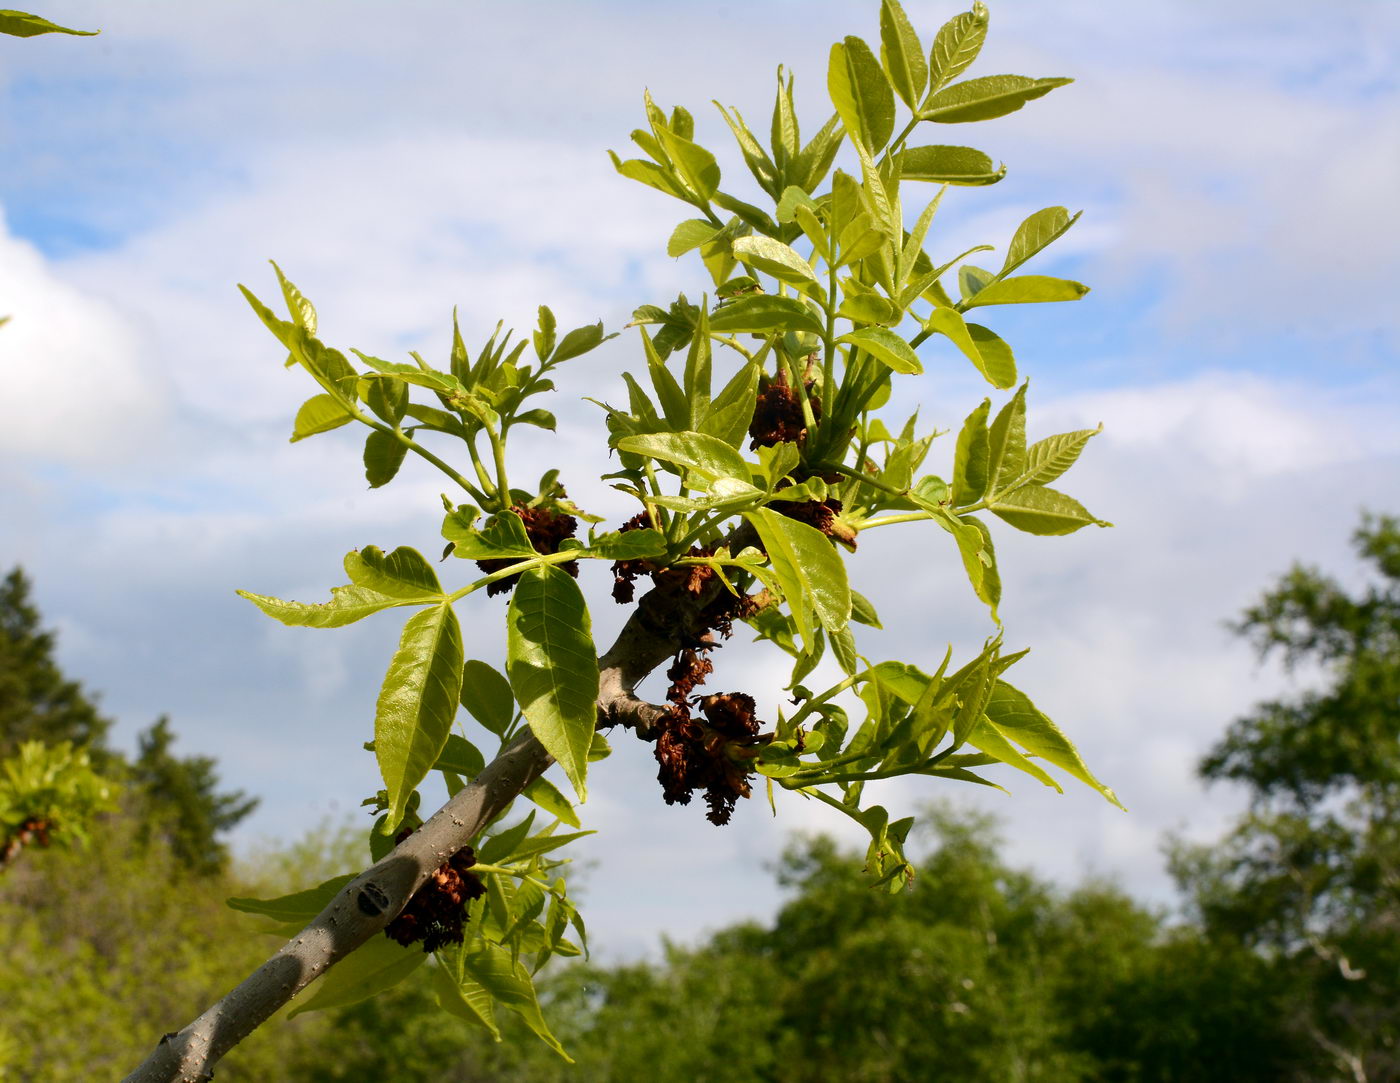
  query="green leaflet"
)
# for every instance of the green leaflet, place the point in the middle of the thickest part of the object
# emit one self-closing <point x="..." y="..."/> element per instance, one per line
<point x="991" y="356"/>
<point x="690" y="234"/>
<point x="652" y="175"/>
<point x="1037" y="509"/>
<point x="631" y="545"/>
<point x="298" y="907"/>
<point x="347" y="605"/>
<point x="809" y="569"/>
<point x="509" y="984"/>
<point x="21" y="24"/>
<point x="404" y="573"/>
<point x="543" y="338"/>
<point x="373" y="967"/>
<point x="784" y="135"/>
<point x="578" y="342"/>
<point x="970" y="460"/>
<point x="1047" y="459"/>
<point x="1013" y="715"/>
<point x="886" y="347"/>
<point x="1036" y="233"/>
<point x="384" y="454"/>
<point x="545" y="794"/>
<point x="860" y="92"/>
<point x="761" y="313"/>
<point x="695" y="164"/>
<point x="553" y="666"/>
<point x="698" y="366"/>
<point x="732" y="409"/>
<point x="782" y="262"/>
<point x="460" y="756"/>
<point x="985" y="98"/>
<point x="502" y="536"/>
<point x="956" y="45"/>
<point x="387" y="400"/>
<point x="949" y="165"/>
<point x="862" y="612"/>
<point x="487" y="696"/>
<point x="901" y="54"/>
<point x="318" y="414"/>
<point x="417" y="704"/>
<point x="1007" y="443"/>
<point x="814" y="162"/>
<point x="464" y="997"/>
<point x="988" y="588"/>
<point x="1027" y="290"/>
<point x="709" y="457"/>
<point x="755" y="157"/>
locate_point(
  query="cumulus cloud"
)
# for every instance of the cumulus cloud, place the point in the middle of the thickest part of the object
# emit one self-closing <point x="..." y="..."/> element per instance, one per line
<point x="79" y="387"/>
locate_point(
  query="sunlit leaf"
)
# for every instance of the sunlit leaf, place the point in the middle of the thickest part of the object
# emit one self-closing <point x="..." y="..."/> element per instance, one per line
<point x="487" y="696"/>
<point x="777" y="259"/>
<point x="706" y="456"/>
<point x="885" y="346"/>
<point x="1037" y="509"/>
<point x="809" y="568"/>
<point x="1013" y="715"/>
<point x="760" y="312"/>
<point x="1047" y="459"/>
<point x="956" y="45"/>
<point x="1027" y="290"/>
<point x="985" y="98"/>
<point x="384" y="454"/>
<point x="1035" y="233"/>
<point x="860" y="92"/>
<point x="318" y="414"/>
<point x="553" y="666"/>
<point x="21" y="24"/>
<point x="902" y="54"/>
<point x="509" y="984"/>
<point x="950" y="165"/>
<point x="417" y="703"/>
<point x="971" y="458"/>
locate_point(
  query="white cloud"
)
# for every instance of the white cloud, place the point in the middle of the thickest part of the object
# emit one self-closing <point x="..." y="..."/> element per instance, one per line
<point x="78" y="385"/>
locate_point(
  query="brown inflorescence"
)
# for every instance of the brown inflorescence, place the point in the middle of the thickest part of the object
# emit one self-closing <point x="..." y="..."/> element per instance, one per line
<point x="437" y="912"/>
<point x="694" y="754"/>
<point x="821" y="514"/>
<point x="625" y="572"/>
<point x="777" y="417"/>
<point x="546" y="528"/>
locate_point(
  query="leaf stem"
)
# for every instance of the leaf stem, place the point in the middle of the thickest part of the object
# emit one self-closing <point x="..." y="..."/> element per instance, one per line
<point x="498" y="452"/>
<point x="890" y="520"/>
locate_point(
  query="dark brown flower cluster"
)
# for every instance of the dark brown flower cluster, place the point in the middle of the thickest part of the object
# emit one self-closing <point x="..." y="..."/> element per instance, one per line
<point x="437" y="912"/>
<point x="777" y="418"/>
<point x="694" y="754"/>
<point x="546" y="528"/>
<point x="625" y="572"/>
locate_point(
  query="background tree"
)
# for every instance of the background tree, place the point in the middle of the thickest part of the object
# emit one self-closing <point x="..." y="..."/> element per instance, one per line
<point x="57" y="769"/>
<point x="37" y="702"/>
<point x="1311" y="876"/>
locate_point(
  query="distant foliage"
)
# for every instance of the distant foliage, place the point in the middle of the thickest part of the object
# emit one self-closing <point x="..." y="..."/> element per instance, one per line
<point x="1310" y="876"/>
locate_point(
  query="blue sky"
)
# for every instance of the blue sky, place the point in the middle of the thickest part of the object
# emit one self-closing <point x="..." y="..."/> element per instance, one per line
<point x="1236" y="164"/>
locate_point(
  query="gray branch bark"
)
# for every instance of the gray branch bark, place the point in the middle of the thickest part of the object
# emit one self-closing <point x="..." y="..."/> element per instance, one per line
<point x="375" y="897"/>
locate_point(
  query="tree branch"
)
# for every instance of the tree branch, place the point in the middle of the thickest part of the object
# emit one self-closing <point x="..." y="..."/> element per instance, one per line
<point x="375" y="897"/>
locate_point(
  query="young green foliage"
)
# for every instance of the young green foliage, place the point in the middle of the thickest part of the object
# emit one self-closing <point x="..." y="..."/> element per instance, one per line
<point x="755" y="443"/>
